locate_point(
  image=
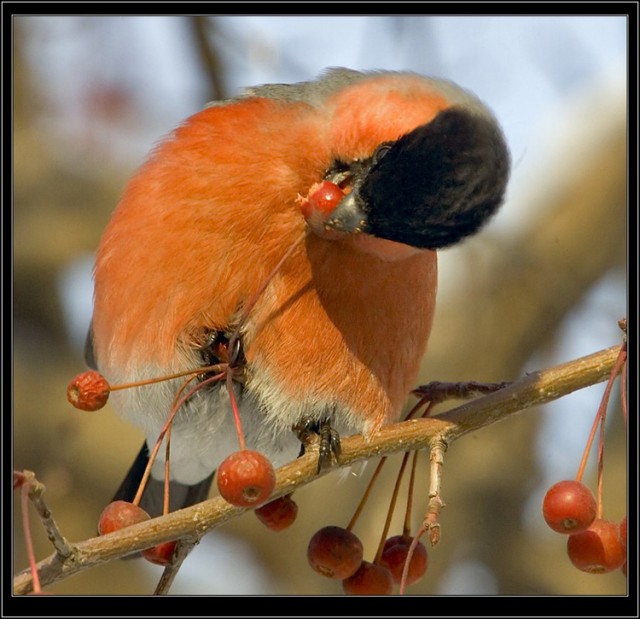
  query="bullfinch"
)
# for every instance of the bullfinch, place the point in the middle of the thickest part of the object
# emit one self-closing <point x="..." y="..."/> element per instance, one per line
<point x="216" y="249"/>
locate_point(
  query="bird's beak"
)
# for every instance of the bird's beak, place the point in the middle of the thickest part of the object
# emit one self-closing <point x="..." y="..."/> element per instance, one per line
<point x="349" y="216"/>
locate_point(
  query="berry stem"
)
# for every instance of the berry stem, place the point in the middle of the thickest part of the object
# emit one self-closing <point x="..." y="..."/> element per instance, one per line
<point x="235" y="336"/>
<point x="246" y="310"/>
<point x="622" y="355"/>
<point x="366" y="494"/>
<point x="28" y="540"/>
<point x="218" y="367"/>
<point x="392" y="505"/>
<point x="406" y="527"/>
<point x="423" y="400"/>
<point x="176" y="406"/>
<point x="236" y="411"/>
<point x="600" y="466"/>
<point x="412" y="548"/>
<point x="167" y="471"/>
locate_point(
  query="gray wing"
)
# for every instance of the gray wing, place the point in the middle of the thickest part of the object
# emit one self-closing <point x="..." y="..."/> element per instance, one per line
<point x="313" y="92"/>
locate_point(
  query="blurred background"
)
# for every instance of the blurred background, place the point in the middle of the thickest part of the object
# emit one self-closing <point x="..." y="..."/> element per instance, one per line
<point x="544" y="283"/>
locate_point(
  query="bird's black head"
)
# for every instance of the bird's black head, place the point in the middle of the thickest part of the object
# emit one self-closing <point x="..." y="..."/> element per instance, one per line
<point x="433" y="186"/>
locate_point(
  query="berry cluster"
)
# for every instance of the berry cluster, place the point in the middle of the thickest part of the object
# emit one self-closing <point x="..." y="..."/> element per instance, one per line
<point x="595" y="545"/>
<point x="120" y="514"/>
<point x="335" y="552"/>
<point x="247" y="479"/>
<point x="401" y="560"/>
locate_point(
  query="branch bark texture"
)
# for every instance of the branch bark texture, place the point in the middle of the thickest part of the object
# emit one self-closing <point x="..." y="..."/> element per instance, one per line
<point x="533" y="389"/>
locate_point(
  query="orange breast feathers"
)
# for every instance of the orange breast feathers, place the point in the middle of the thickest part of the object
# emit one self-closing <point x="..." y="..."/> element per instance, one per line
<point x="199" y="226"/>
<point x="342" y="325"/>
<point x="208" y="217"/>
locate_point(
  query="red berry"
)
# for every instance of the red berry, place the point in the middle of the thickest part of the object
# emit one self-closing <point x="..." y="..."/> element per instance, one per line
<point x="623" y="532"/>
<point x="369" y="579"/>
<point x="569" y="507"/>
<point x="394" y="556"/>
<point x="279" y="514"/>
<point x="335" y="552"/>
<point x="88" y="391"/>
<point x="322" y="200"/>
<point x="18" y="479"/>
<point x="118" y="515"/>
<point x="598" y="549"/>
<point x="326" y="197"/>
<point x="161" y="554"/>
<point x="246" y="478"/>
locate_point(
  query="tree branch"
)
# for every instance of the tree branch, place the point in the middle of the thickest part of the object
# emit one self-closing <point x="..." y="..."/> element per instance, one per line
<point x="193" y="522"/>
<point x="203" y="28"/>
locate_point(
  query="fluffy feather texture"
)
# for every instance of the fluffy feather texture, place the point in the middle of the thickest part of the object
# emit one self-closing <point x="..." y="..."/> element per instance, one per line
<point x="339" y="331"/>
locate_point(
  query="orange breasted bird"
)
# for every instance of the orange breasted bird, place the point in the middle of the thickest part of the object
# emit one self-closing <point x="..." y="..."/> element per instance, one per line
<point x="218" y="239"/>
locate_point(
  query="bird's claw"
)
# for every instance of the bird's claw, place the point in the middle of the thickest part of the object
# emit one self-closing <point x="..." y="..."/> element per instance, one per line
<point x="327" y="437"/>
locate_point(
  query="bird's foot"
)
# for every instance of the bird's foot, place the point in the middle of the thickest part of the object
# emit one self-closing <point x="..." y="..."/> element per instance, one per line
<point x="310" y="431"/>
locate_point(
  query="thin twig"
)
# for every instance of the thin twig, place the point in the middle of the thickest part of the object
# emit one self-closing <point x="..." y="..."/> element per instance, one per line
<point x="203" y="28"/>
<point x="36" y="489"/>
<point x="183" y="547"/>
<point x="435" y="505"/>
<point x="431" y="521"/>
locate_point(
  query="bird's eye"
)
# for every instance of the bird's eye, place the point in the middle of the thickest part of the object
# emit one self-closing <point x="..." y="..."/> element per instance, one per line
<point x="381" y="151"/>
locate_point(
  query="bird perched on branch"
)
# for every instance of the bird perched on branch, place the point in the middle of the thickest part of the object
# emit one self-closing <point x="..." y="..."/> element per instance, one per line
<point x="290" y="232"/>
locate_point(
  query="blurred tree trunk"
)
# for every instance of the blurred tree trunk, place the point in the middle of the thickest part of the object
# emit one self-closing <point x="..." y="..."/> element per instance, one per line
<point x="58" y="215"/>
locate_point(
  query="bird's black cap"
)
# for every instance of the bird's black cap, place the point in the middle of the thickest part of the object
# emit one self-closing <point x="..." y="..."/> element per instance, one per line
<point x="433" y="186"/>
